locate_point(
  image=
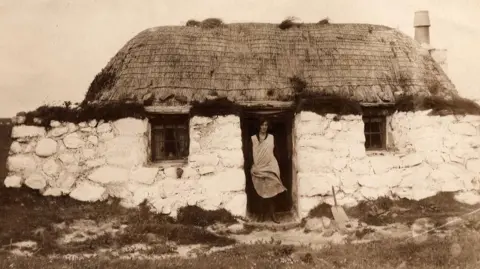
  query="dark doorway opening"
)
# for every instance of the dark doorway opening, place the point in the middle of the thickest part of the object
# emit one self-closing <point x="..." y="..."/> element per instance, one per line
<point x="281" y="126"/>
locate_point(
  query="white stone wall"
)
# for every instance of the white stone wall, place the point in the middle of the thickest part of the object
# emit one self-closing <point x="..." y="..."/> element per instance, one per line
<point x="431" y="154"/>
<point x="92" y="161"/>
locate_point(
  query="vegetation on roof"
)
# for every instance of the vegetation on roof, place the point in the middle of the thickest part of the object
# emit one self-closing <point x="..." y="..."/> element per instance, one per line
<point x="289" y="23"/>
<point x="209" y="23"/>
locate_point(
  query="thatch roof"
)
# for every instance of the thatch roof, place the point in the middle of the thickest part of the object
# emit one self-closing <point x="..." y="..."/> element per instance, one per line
<point x="260" y="62"/>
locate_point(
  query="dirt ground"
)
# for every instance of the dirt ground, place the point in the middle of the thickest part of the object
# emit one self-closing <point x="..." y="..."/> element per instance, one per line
<point x="49" y="232"/>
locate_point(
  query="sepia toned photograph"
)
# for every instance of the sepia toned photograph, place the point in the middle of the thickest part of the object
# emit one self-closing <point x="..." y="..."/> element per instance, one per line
<point x="239" y="134"/>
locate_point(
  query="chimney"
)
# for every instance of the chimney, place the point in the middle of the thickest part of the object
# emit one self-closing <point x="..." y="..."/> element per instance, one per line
<point x="421" y="22"/>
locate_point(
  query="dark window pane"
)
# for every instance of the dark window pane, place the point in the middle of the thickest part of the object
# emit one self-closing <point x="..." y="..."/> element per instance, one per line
<point x="366" y="127"/>
<point x="375" y="127"/>
<point x="376" y="141"/>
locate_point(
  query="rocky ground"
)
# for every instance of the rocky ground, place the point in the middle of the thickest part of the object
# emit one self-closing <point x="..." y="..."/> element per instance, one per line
<point x="36" y="228"/>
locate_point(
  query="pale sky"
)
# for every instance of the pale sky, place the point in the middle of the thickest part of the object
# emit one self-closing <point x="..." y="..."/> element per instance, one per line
<point x="50" y="50"/>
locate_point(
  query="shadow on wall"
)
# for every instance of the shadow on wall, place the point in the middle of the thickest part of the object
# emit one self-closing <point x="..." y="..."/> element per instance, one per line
<point x="5" y="142"/>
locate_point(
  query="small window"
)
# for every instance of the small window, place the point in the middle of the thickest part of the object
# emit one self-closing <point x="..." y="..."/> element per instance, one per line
<point x="374" y="130"/>
<point x="169" y="138"/>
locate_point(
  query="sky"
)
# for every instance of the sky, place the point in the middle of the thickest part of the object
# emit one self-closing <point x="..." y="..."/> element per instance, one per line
<point x="50" y="50"/>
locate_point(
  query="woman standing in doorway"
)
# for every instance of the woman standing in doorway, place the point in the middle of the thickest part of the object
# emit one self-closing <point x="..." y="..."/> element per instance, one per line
<point x="265" y="170"/>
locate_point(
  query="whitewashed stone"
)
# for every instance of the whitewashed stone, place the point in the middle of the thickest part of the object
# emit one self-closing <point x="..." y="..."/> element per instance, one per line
<point x="373" y="193"/>
<point x="468" y="197"/>
<point x="109" y="174"/>
<point x="104" y="128"/>
<point x="434" y="158"/>
<point x="82" y="125"/>
<point x="30" y="147"/>
<point x="72" y="168"/>
<point x="13" y="181"/>
<point x="65" y="181"/>
<point x="36" y="181"/>
<point x="88" y="153"/>
<point x="339" y="163"/>
<point x="51" y="167"/>
<point x="382" y="164"/>
<point x="72" y="127"/>
<point x="361" y="167"/>
<point x="126" y="151"/>
<point x="87" y="130"/>
<point x="335" y="125"/>
<point x="170" y="172"/>
<point x="23" y="164"/>
<point x="59" y="131"/>
<point x="200" y="120"/>
<point x="473" y="165"/>
<point x="130" y="127"/>
<point x="92" y="123"/>
<point x="88" y="192"/>
<point x="310" y="184"/>
<point x="16" y="148"/>
<point x="118" y="191"/>
<point x="463" y="128"/>
<point x="67" y="158"/>
<point x="412" y="176"/>
<point x="231" y="158"/>
<point x="95" y="162"/>
<point x="205" y="159"/>
<point x="55" y="192"/>
<point x="205" y="170"/>
<point x="144" y="175"/>
<point x="26" y="131"/>
<point x="316" y="142"/>
<point x="411" y="160"/>
<point x="73" y="141"/>
<point x="106" y="136"/>
<point x="93" y="139"/>
<point x="305" y="204"/>
<point x="46" y="147"/>
<point x="314" y="161"/>
<point x="230" y="180"/>
<point x="372" y="181"/>
<point x="55" y="124"/>
<point x="357" y="151"/>
<point x="349" y="182"/>
<point x="190" y="173"/>
<point x="341" y="150"/>
<point x="237" y="205"/>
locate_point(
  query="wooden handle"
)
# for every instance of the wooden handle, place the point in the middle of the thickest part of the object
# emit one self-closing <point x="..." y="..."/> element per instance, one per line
<point x="334" y="198"/>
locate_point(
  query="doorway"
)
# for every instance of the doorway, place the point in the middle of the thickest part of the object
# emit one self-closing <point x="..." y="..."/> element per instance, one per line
<point x="281" y="127"/>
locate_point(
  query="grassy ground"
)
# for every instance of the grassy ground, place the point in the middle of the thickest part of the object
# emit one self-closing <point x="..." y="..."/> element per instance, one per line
<point x="26" y="215"/>
<point x="385" y="211"/>
<point x="459" y="251"/>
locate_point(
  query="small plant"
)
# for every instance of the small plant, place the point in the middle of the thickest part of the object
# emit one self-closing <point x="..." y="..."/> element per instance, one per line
<point x="324" y="21"/>
<point x="209" y="23"/>
<point x="289" y="23"/>
<point x="298" y="84"/>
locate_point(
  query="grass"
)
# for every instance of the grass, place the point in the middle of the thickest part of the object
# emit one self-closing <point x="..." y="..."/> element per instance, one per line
<point x="27" y="215"/>
<point x="384" y="210"/>
<point x="459" y="251"/>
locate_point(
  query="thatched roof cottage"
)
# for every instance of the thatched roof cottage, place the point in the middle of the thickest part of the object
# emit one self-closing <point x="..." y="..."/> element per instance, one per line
<point x="363" y="108"/>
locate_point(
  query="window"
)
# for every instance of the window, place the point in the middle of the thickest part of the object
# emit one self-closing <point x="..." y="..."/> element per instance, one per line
<point x="169" y="137"/>
<point x="374" y="130"/>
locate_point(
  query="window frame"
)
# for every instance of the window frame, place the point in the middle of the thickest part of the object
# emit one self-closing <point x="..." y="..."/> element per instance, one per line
<point x="382" y="132"/>
<point x="162" y="120"/>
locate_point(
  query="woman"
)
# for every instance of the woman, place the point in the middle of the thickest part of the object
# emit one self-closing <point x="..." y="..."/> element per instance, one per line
<point x="265" y="170"/>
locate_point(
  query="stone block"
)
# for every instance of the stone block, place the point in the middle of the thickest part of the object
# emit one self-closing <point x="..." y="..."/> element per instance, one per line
<point x="46" y="147"/>
<point x="109" y="175"/>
